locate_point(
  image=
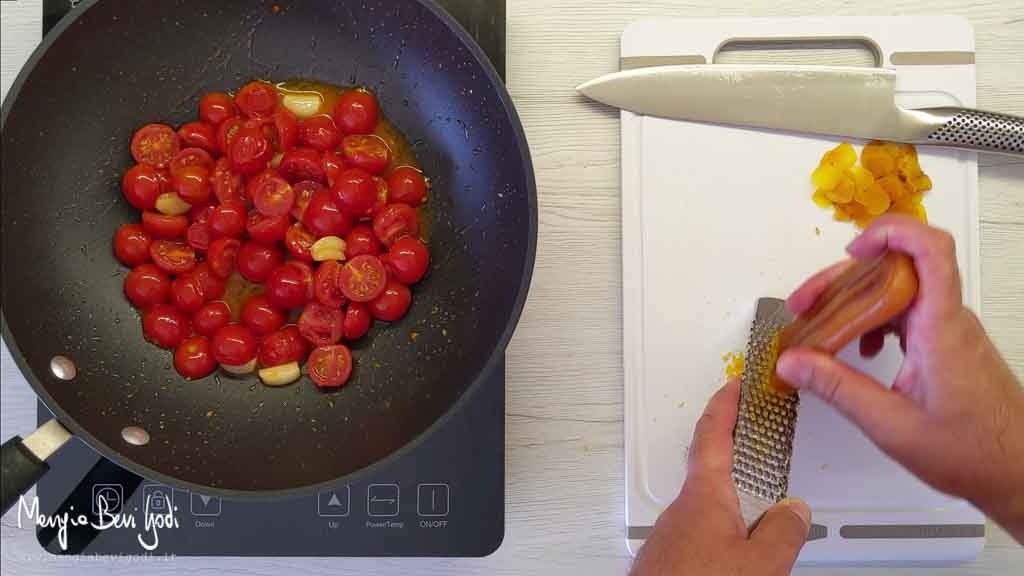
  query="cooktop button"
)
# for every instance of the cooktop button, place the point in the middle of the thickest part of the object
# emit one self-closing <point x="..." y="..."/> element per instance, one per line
<point x="333" y="503"/>
<point x="108" y="498"/>
<point x="203" y="505"/>
<point x="432" y="500"/>
<point x="382" y="500"/>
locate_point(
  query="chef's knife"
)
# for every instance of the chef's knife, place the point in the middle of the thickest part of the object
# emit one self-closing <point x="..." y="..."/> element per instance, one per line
<point x="839" y="100"/>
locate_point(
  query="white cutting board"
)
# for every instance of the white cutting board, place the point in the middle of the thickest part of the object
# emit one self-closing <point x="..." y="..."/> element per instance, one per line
<point x="714" y="217"/>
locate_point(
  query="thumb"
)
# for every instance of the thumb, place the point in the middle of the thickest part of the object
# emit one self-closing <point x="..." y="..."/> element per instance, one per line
<point x="781" y="533"/>
<point x="888" y="418"/>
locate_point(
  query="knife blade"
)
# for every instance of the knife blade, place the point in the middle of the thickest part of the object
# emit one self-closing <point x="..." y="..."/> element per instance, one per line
<point x="836" y="100"/>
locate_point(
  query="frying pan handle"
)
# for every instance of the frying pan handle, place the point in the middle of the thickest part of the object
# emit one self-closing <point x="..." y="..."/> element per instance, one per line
<point x="21" y="470"/>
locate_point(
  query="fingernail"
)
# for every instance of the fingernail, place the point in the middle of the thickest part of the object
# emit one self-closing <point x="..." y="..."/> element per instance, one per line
<point x="798" y="507"/>
<point x="789" y="370"/>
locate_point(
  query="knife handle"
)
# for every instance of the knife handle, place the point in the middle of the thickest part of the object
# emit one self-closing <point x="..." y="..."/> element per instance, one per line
<point x="974" y="130"/>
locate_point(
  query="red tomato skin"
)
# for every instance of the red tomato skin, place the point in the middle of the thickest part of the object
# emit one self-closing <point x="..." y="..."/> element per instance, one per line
<point x="146" y="286"/>
<point x="323" y="218"/>
<point x="131" y="244"/>
<point x="333" y="165"/>
<point x="190" y="157"/>
<point x="407" y="260"/>
<point x="257" y="99"/>
<point x="227" y="132"/>
<point x="395" y="221"/>
<point x="213" y="285"/>
<point x="298" y="241"/>
<point x="172" y="256"/>
<point x="260" y="316"/>
<point x="286" y="125"/>
<point x="367" y="151"/>
<point x="234" y="344"/>
<point x="198" y="236"/>
<point x="210" y="317"/>
<point x="228" y="220"/>
<point x="319" y="133"/>
<point x="330" y="366"/>
<point x="325" y="285"/>
<point x="288" y="286"/>
<point x="193" y="358"/>
<point x="155" y="145"/>
<point x="187" y="293"/>
<point x="304" y="191"/>
<point x="355" y="192"/>
<point x="362" y="278"/>
<point x="216" y="107"/>
<point x="283" y="346"/>
<point x="302" y="163"/>
<point x="271" y="194"/>
<point x="223" y="255"/>
<point x="267" y="229"/>
<point x="392" y="303"/>
<point x="361" y="240"/>
<point x="165" y="326"/>
<point x="256" y="261"/>
<point x="141" y="186"/>
<point x="357" y="112"/>
<point x="192" y="184"/>
<point x="406" y="185"/>
<point x="250" y="151"/>
<point x="358" y="320"/>
<point x="321" y="325"/>
<point x="161" y="226"/>
<point x="199" y="135"/>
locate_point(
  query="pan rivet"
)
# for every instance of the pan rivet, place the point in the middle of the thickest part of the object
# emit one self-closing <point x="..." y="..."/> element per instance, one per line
<point x="135" y="436"/>
<point x="62" y="367"/>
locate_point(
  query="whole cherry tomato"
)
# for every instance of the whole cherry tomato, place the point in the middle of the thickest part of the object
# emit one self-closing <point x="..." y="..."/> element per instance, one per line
<point x="199" y="135"/>
<point x="323" y="218"/>
<point x="255" y="261"/>
<point x="198" y="236"/>
<point x="407" y="260"/>
<point x="216" y="107"/>
<point x="141" y="186"/>
<point x="395" y="221"/>
<point x="228" y="220"/>
<point x="193" y="358"/>
<point x="357" y="321"/>
<point x="319" y="132"/>
<point x="257" y="99"/>
<point x="301" y="163"/>
<point x="290" y="286"/>
<point x="213" y="285"/>
<point x="210" y="317"/>
<point x="267" y="229"/>
<point x="260" y="316"/>
<point x="361" y="240"/>
<point x="356" y="112"/>
<point x="406" y="185"/>
<point x="355" y="192"/>
<point x="164" y="325"/>
<point x="234" y="345"/>
<point x="283" y="346"/>
<point x="392" y="303"/>
<point x="131" y="244"/>
<point x="187" y="293"/>
<point x="250" y="150"/>
<point x="146" y="286"/>
<point x="192" y="184"/>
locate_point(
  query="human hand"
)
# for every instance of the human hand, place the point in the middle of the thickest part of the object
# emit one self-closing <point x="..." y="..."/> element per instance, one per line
<point x="702" y="532"/>
<point x="955" y="413"/>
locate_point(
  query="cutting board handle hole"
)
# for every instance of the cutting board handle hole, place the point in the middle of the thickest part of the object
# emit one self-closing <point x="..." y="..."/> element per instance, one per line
<point x="829" y="52"/>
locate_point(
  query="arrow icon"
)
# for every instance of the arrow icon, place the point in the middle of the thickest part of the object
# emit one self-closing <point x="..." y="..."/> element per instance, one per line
<point x="205" y="499"/>
<point x="334" y="501"/>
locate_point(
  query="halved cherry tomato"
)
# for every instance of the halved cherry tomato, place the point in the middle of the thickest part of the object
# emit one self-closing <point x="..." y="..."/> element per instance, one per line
<point x="357" y="321"/>
<point x="356" y="112"/>
<point x="362" y="278"/>
<point x="199" y="135"/>
<point x="146" y="285"/>
<point x="302" y="164"/>
<point x="355" y="192"/>
<point x="234" y="345"/>
<point x="361" y="240"/>
<point x="392" y="303"/>
<point x="216" y="107"/>
<point x="227" y="132"/>
<point x="330" y="366"/>
<point x="323" y="218"/>
<point x="131" y="244"/>
<point x="382" y="197"/>
<point x="407" y="260"/>
<point x="256" y="261"/>
<point x="187" y="293"/>
<point x="190" y="157"/>
<point x="198" y="236"/>
<point x="250" y="150"/>
<point x="210" y="317"/>
<point x="332" y="166"/>
<point x="406" y="185"/>
<point x="260" y="316"/>
<point x="200" y="213"/>
<point x="165" y="326"/>
<point x="192" y="184"/>
<point x="163" y="226"/>
<point x="193" y="358"/>
<point x="155" y="145"/>
<point x="271" y="194"/>
<point x="290" y="286"/>
<point x="141" y="186"/>
<point x="298" y="241"/>
<point x="164" y="176"/>
<point x="325" y="284"/>
<point x="304" y="191"/>
<point x="267" y="229"/>
<point x="228" y="220"/>
<point x="257" y="99"/>
<point x="213" y="285"/>
<point x="319" y="132"/>
<point x="227" y="185"/>
<point x="367" y="151"/>
<point x="395" y="221"/>
<point x="286" y="126"/>
<point x="283" y="346"/>
<point x="172" y="256"/>
<point x="222" y="256"/>
<point x="321" y="325"/>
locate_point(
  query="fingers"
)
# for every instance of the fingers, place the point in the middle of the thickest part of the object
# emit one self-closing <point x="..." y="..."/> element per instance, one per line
<point x="781" y="533"/>
<point x="804" y="297"/>
<point x="886" y="417"/>
<point x="711" y="450"/>
<point x="933" y="252"/>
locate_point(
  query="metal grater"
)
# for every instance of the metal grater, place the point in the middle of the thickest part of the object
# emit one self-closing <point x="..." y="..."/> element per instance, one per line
<point x="763" y="439"/>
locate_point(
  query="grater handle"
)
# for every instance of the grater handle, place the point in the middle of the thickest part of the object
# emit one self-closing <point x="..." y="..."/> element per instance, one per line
<point x="973" y="130"/>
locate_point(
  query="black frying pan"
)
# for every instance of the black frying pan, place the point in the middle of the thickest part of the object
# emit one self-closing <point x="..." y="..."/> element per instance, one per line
<point x="66" y="125"/>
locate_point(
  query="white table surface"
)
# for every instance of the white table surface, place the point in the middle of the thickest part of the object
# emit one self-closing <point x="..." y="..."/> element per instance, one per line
<point x="564" y="399"/>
